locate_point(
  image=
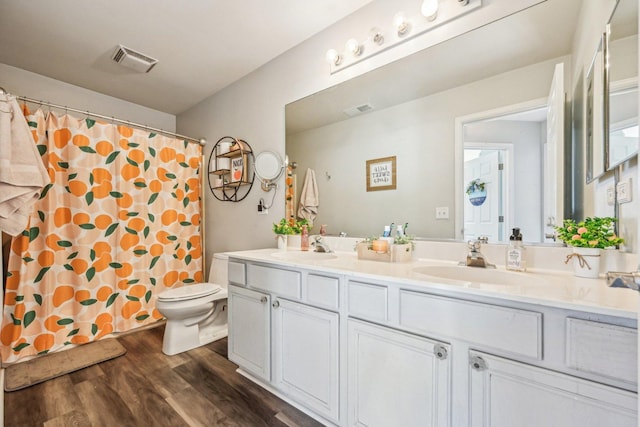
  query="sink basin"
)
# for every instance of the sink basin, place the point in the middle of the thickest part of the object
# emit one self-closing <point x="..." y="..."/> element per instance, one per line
<point x="473" y="275"/>
<point x="303" y="255"/>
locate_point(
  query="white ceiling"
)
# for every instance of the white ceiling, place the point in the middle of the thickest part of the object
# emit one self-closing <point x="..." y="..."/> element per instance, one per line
<point x="203" y="45"/>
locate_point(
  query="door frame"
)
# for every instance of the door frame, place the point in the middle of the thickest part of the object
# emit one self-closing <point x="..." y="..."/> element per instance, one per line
<point x="459" y="151"/>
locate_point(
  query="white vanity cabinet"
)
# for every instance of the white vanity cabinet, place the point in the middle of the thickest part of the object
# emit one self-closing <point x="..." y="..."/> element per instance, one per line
<point x="396" y="379"/>
<point x="506" y="364"/>
<point x="249" y="330"/>
<point x="505" y="393"/>
<point x="362" y="349"/>
<point x="281" y="332"/>
<point x="305" y="355"/>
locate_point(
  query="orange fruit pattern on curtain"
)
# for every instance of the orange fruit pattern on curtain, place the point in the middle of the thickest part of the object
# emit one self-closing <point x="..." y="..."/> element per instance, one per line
<point x="119" y="224"/>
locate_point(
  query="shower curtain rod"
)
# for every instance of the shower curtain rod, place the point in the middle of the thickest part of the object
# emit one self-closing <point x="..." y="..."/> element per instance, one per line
<point x="201" y="141"/>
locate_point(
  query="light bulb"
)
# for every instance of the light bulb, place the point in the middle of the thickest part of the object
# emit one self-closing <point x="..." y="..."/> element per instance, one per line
<point x="401" y="23"/>
<point x="429" y="9"/>
<point x="333" y="57"/>
<point x="354" y="47"/>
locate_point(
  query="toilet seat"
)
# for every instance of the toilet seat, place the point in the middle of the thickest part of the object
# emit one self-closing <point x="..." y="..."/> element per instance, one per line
<point x="188" y="292"/>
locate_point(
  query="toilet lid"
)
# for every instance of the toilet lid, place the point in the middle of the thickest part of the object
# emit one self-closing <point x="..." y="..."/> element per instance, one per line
<point x="189" y="292"/>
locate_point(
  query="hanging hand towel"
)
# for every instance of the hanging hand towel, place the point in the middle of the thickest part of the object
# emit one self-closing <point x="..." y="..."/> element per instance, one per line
<point x="308" y="208"/>
<point x="22" y="173"/>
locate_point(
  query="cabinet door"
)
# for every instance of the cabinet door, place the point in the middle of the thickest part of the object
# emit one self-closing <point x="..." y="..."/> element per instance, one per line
<point x="396" y="379"/>
<point x="249" y="337"/>
<point x="305" y="353"/>
<point x="507" y="393"/>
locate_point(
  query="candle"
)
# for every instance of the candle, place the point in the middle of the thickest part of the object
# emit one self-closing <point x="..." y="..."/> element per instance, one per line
<point x="379" y="245"/>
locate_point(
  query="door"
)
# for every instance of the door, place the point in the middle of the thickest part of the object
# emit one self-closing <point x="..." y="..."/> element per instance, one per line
<point x="396" y="379"/>
<point x="305" y="354"/>
<point x="486" y="219"/>
<point x="249" y="337"/>
<point x="553" y="176"/>
<point x="505" y="393"/>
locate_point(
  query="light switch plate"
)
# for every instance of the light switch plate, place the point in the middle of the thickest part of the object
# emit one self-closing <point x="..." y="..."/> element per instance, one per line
<point x="623" y="191"/>
<point x="442" y="212"/>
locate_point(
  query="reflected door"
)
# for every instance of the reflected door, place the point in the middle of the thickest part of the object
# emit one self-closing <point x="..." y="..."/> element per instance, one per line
<point x="485" y="219"/>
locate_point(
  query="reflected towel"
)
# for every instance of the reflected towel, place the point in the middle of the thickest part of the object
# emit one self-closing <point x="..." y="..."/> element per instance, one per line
<point x="22" y="173"/>
<point x="309" y="201"/>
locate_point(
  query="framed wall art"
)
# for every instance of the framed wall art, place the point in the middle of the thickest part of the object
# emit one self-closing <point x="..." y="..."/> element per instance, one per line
<point x="381" y="174"/>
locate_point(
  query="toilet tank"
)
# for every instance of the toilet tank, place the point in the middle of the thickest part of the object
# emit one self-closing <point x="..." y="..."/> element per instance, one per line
<point x="218" y="273"/>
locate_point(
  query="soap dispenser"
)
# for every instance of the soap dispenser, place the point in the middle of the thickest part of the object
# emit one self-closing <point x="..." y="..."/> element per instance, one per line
<point x="516" y="252"/>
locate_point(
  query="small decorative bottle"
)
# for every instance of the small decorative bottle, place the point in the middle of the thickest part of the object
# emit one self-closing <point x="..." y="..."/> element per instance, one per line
<point x="516" y="252"/>
<point x="304" y="239"/>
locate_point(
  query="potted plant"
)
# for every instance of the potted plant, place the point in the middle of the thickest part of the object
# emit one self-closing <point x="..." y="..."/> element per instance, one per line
<point x="587" y="238"/>
<point x="476" y="190"/>
<point x="282" y="230"/>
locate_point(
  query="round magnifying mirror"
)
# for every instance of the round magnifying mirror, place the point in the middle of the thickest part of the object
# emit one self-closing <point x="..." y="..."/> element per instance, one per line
<point x="268" y="167"/>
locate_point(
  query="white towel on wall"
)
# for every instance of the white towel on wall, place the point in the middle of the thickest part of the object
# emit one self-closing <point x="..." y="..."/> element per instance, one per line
<point x="309" y="201"/>
<point x="22" y="172"/>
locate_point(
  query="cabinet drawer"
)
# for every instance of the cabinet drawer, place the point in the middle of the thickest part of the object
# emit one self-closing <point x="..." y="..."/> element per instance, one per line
<point x="602" y="349"/>
<point x="281" y="282"/>
<point x="512" y="330"/>
<point x="322" y="291"/>
<point x="368" y="301"/>
<point x="236" y="273"/>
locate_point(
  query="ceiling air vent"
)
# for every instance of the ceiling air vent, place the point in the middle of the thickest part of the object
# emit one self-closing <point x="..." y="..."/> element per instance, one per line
<point x="359" y="109"/>
<point x="134" y="60"/>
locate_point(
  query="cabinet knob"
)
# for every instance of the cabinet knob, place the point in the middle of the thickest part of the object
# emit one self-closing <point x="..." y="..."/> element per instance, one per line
<point x="275" y="304"/>
<point x="263" y="300"/>
<point x="440" y="351"/>
<point x="478" y="363"/>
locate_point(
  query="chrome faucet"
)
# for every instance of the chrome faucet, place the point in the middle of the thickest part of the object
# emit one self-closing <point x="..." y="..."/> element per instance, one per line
<point x="618" y="279"/>
<point x="320" y="245"/>
<point x="475" y="257"/>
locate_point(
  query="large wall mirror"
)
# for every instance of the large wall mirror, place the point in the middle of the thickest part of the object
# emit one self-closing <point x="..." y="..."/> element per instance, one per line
<point x="623" y="83"/>
<point x="482" y="95"/>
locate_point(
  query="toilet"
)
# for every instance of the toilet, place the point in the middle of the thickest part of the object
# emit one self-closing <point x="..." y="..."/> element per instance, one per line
<point x="196" y="314"/>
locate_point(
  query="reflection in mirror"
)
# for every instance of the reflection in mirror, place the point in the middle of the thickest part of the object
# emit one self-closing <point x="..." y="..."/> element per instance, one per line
<point x="409" y="109"/>
<point x="595" y="114"/>
<point x="504" y="149"/>
<point x="623" y="86"/>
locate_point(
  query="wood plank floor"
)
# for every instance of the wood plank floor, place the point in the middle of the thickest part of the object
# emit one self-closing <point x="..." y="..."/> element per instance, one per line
<point x="147" y="388"/>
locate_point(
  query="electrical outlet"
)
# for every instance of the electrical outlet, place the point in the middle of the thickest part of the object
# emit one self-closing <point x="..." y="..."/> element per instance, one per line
<point x="611" y="196"/>
<point x="442" y="212"/>
<point x="623" y="191"/>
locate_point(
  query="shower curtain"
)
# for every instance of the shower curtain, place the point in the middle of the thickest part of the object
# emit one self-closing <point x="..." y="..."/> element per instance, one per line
<point x="119" y="223"/>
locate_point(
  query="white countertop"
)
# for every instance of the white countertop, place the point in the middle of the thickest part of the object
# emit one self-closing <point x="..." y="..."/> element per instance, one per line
<point x="550" y="288"/>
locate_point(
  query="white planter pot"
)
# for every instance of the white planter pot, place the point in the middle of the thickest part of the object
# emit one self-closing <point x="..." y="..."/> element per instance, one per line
<point x="282" y="241"/>
<point x="293" y="241"/>
<point x="586" y="262"/>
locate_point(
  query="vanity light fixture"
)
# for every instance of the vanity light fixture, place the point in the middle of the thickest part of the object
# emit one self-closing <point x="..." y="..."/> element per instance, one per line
<point x="400" y="29"/>
<point x="354" y="47"/>
<point x="401" y="23"/>
<point x="333" y="57"/>
<point x="429" y="9"/>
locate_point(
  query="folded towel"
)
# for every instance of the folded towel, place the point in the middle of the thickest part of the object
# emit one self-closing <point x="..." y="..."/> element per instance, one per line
<point x="309" y="201"/>
<point x="22" y="172"/>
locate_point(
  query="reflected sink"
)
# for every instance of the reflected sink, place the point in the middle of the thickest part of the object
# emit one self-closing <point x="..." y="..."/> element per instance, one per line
<point x="480" y="275"/>
<point x="303" y="255"/>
